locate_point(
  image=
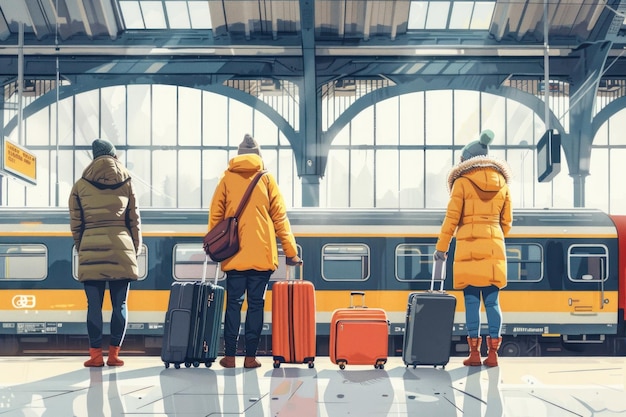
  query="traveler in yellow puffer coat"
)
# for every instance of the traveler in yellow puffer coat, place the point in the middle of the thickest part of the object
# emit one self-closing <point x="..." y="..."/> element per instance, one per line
<point x="480" y="214"/>
<point x="262" y="220"/>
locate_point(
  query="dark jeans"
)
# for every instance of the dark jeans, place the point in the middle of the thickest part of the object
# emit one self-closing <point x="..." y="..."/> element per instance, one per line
<point x="492" y="308"/>
<point x="118" y="290"/>
<point x="238" y="284"/>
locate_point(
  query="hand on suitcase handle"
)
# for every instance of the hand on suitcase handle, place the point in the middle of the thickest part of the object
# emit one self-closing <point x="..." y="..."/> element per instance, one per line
<point x="439" y="255"/>
<point x="293" y="261"/>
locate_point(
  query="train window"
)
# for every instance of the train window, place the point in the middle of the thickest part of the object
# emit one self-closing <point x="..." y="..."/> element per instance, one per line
<point x="524" y="262"/>
<point x="23" y="262"/>
<point x="189" y="263"/>
<point x="142" y="263"/>
<point x="587" y="262"/>
<point x="345" y="262"/>
<point x="414" y="262"/>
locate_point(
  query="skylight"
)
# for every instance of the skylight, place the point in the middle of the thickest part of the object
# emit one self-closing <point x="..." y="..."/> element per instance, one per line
<point x="166" y="14"/>
<point x="452" y="15"/>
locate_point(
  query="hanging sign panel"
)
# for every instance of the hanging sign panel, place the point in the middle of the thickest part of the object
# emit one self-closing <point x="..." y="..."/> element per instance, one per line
<point x="17" y="162"/>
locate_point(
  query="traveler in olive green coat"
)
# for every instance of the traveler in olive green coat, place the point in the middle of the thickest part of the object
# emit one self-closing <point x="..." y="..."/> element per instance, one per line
<point x="106" y="227"/>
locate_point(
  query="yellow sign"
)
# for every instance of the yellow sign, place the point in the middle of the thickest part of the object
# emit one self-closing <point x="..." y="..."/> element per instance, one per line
<point x="19" y="162"/>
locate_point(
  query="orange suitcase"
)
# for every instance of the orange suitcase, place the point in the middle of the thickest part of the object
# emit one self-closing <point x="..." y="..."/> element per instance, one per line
<point x="293" y="321"/>
<point x="359" y="335"/>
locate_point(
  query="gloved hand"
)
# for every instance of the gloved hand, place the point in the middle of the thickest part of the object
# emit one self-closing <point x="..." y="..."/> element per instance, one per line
<point x="294" y="261"/>
<point x="439" y="256"/>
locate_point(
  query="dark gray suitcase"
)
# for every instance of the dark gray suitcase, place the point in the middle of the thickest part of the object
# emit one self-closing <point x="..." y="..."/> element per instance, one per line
<point x="177" y="324"/>
<point x="429" y="323"/>
<point x="206" y="321"/>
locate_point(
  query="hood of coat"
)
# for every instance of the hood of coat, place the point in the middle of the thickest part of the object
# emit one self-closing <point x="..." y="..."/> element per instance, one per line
<point x="106" y="171"/>
<point x="486" y="172"/>
<point x="245" y="163"/>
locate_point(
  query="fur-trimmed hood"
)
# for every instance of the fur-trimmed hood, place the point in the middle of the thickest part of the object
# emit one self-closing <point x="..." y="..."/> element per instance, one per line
<point x="487" y="166"/>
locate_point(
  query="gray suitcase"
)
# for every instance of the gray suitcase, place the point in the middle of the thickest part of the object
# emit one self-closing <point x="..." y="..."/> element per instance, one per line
<point x="429" y="324"/>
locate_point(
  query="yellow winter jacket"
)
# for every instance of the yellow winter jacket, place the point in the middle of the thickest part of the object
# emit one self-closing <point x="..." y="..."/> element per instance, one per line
<point x="480" y="214"/>
<point x="263" y="219"/>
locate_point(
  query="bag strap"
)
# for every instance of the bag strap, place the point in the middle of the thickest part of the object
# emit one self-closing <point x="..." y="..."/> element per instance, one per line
<point x="246" y="196"/>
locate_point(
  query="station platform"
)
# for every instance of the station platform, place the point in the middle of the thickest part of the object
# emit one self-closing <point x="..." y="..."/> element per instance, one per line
<point x="143" y="387"/>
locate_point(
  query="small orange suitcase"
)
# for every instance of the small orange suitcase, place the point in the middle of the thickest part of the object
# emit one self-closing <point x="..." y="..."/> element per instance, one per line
<point x="293" y="321"/>
<point x="359" y="335"/>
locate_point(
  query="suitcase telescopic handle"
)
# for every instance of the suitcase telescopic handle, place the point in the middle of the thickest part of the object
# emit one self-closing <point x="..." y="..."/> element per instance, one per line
<point x="362" y="294"/>
<point x="291" y="271"/>
<point x="205" y="267"/>
<point x="439" y="274"/>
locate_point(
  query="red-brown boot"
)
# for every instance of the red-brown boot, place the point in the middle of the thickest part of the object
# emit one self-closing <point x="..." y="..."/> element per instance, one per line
<point x="227" y="362"/>
<point x="251" y="362"/>
<point x="492" y="354"/>
<point x="95" y="358"/>
<point x="113" y="359"/>
<point x="474" y="351"/>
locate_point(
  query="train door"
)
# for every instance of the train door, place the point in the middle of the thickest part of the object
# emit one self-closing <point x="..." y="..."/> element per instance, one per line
<point x="588" y="271"/>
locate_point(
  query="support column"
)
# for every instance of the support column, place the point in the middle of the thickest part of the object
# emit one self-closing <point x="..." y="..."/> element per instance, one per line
<point x="310" y="190"/>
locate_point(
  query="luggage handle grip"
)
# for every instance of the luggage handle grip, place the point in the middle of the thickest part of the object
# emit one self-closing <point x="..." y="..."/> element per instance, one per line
<point x="439" y="274"/>
<point x="205" y="267"/>
<point x="362" y="294"/>
<point x="291" y="272"/>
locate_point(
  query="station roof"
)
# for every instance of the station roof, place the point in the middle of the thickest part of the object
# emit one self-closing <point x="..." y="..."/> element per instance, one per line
<point x="507" y="33"/>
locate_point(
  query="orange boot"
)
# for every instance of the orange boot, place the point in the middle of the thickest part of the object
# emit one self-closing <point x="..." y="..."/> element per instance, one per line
<point x="227" y="362"/>
<point x="95" y="358"/>
<point x="474" y="353"/>
<point x="492" y="354"/>
<point x="113" y="359"/>
<point x="251" y="362"/>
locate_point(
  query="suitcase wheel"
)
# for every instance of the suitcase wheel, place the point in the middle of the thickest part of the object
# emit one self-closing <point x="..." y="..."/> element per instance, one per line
<point x="380" y="364"/>
<point x="196" y="364"/>
<point x="187" y="364"/>
<point x="177" y="365"/>
<point x="276" y="364"/>
<point x="167" y="365"/>
<point x="208" y="364"/>
<point x="311" y="365"/>
<point x="342" y="364"/>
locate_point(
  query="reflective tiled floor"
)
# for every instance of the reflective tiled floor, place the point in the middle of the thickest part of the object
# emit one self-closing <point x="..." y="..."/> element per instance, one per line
<point x="519" y="387"/>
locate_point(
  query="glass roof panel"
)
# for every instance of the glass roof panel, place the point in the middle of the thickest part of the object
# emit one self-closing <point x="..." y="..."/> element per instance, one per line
<point x="483" y="13"/>
<point x="437" y="15"/>
<point x="177" y="14"/>
<point x="417" y="15"/>
<point x="461" y="15"/>
<point x="200" y="14"/>
<point x="131" y="12"/>
<point x="153" y="14"/>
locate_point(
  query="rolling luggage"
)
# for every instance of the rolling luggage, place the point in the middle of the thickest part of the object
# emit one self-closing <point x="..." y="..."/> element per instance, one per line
<point x="206" y="321"/>
<point x="429" y="324"/>
<point x="177" y="323"/>
<point x="359" y="335"/>
<point x="293" y="320"/>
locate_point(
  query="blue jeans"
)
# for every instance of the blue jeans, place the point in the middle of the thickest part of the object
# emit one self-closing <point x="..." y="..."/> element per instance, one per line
<point x="492" y="308"/>
<point x="118" y="290"/>
<point x="238" y="284"/>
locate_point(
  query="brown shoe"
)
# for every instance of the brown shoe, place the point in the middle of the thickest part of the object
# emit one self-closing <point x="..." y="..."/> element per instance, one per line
<point x="251" y="362"/>
<point x="95" y="358"/>
<point x="114" y="359"/>
<point x="227" y="362"/>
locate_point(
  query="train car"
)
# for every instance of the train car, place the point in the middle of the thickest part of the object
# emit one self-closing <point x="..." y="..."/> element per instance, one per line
<point x="565" y="281"/>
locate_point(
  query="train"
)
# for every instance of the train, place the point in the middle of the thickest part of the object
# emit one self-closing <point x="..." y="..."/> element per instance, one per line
<point x="566" y="269"/>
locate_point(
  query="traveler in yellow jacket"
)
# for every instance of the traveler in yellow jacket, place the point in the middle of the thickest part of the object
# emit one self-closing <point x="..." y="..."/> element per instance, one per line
<point x="480" y="214"/>
<point x="263" y="220"/>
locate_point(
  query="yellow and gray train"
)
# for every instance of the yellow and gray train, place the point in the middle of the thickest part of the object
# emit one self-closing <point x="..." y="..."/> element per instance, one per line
<point x="566" y="276"/>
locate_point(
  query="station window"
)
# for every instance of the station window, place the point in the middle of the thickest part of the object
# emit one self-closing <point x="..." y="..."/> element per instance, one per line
<point x="587" y="262"/>
<point x="23" y="262"/>
<point x="142" y="263"/>
<point x="345" y="262"/>
<point x="188" y="263"/>
<point x="414" y="262"/>
<point x="524" y="262"/>
<point x="283" y="273"/>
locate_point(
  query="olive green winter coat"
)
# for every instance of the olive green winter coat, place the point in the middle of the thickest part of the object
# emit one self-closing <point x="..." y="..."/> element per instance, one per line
<point x="105" y="222"/>
<point x="263" y="219"/>
<point x="480" y="214"/>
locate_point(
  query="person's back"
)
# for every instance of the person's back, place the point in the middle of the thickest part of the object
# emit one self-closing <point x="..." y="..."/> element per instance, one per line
<point x="479" y="214"/>
<point x="106" y="227"/>
<point x="263" y="220"/>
